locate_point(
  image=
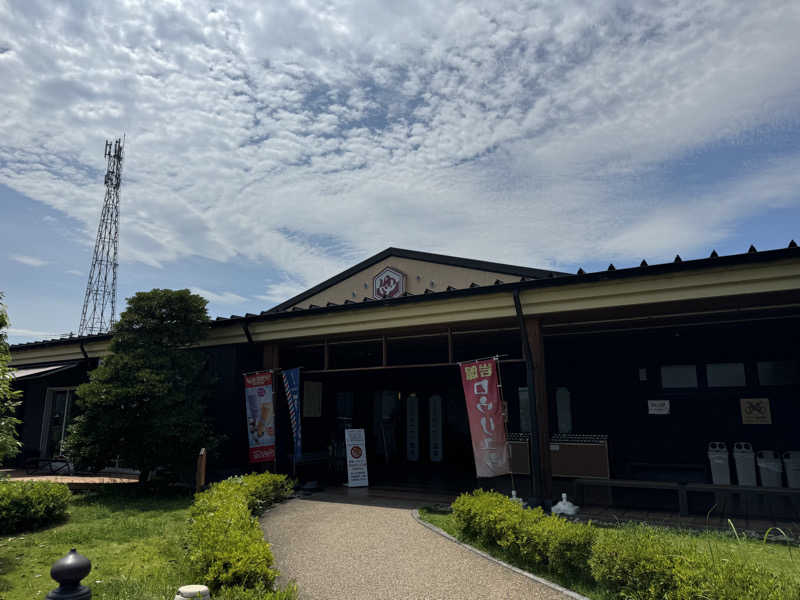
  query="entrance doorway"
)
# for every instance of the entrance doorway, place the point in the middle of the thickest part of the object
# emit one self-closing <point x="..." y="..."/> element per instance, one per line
<point x="58" y="413"/>
<point x="414" y="420"/>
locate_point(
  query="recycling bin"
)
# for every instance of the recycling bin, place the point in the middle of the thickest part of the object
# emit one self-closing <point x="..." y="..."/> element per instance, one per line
<point x="770" y="468"/>
<point x="720" y="469"/>
<point x="791" y="460"/>
<point x="745" y="460"/>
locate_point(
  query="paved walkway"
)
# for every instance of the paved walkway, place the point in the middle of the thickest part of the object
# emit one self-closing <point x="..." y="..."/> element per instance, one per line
<point x="77" y="480"/>
<point x="357" y="546"/>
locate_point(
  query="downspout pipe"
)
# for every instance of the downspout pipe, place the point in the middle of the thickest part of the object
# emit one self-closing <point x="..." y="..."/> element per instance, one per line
<point x="83" y="351"/>
<point x="536" y="461"/>
<point x="246" y="328"/>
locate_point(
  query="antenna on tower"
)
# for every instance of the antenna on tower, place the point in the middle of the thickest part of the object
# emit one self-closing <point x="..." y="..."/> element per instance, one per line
<point x="100" y="302"/>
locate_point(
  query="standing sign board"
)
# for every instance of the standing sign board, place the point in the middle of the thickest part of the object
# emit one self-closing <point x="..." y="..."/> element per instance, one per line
<point x="356" y="458"/>
<point x="260" y="416"/>
<point x="486" y="424"/>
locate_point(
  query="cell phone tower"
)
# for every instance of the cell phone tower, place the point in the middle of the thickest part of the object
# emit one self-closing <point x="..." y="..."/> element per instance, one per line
<point x="100" y="302"/>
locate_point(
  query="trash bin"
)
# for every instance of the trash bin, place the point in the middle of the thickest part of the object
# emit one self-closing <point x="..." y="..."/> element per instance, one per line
<point x="745" y="460"/>
<point x="791" y="460"/>
<point x="720" y="469"/>
<point x="770" y="468"/>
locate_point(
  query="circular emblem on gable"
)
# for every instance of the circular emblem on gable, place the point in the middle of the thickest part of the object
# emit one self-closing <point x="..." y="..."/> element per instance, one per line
<point x="389" y="283"/>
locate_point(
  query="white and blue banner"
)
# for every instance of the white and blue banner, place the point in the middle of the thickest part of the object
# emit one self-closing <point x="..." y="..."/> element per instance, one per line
<point x="291" y="382"/>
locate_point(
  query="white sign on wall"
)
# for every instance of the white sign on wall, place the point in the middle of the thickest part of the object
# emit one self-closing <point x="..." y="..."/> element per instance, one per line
<point x="435" y="424"/>
<point x="412" y="428"/>
<point x="658" y="407"/>
<point x="355" y="443"/>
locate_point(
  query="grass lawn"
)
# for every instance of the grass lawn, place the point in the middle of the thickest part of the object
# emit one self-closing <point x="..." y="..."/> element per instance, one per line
<point x="777" y="556"/>
<point x="133" y="539"/>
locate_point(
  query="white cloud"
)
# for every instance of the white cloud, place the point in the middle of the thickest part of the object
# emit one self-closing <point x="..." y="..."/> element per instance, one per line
<point x="281" y="291"/>
<point x="26" y="333"/>
<point x="308" y="135"/>
<point x="219" y="298"/>
<point x="74" y="272"/>
<point x="30" y="261"/>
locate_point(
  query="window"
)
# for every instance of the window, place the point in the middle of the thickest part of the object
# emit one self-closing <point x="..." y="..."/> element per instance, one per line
<point x="679" y="376"/>
<point x="725" y="375"/>
<point x="778" y="372"/>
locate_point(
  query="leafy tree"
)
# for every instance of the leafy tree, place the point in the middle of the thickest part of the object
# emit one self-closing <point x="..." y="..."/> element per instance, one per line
<point x="9" y="445"/>
<point x="145" y="403"/>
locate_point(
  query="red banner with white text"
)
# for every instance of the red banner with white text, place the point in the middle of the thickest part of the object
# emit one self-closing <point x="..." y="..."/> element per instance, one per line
<point x="260" y="416"/>
<point x="485" y="412"/>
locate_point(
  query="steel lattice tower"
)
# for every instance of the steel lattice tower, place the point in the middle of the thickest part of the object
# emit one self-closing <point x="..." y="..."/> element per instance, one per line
<point x="99" y="304"/>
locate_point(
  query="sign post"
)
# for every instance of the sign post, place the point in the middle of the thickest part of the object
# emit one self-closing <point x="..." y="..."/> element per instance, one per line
<point x="260" y="416"/>
<point x="356" y="458"/>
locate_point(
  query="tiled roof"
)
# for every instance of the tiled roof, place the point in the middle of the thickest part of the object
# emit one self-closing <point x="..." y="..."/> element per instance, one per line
<point x="677" y="265"/>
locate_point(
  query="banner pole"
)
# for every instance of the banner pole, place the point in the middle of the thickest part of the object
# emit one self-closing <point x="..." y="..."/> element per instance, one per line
<point x="505" y="420"/>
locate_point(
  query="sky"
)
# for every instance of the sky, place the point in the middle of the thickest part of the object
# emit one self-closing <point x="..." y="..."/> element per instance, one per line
<point x="271" y="145"/>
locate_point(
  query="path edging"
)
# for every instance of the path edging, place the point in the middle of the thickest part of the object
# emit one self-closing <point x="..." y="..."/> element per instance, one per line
<point x="542" y="580"/>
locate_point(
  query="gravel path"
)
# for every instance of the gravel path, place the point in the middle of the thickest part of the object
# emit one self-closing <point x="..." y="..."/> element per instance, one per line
<point x="365" y="547"/>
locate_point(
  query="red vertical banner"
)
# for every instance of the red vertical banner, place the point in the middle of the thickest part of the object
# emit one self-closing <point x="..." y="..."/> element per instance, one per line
<point x="485" y="412"/>
<point x="260" y="416"/>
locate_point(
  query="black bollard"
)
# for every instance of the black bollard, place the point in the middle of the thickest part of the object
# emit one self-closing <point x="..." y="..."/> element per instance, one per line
<point x="68" y="572"/>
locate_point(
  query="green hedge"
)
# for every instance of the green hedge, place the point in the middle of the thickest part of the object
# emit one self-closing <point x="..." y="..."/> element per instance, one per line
<point x="225" y="545"/>
<point x="640" y="561"/>
<point x="530" y="537"/>
<point x="26" y="505"/>
<point x="630" y="562"/>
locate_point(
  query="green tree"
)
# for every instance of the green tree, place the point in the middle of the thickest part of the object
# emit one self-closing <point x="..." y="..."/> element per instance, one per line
<point x="145" y="403"/>
<point x="9" y="444"/>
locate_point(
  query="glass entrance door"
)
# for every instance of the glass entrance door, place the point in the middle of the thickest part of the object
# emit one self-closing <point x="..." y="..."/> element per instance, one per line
<point x="58" y="409"/>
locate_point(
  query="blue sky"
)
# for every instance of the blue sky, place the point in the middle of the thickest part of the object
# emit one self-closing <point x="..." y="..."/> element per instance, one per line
<point x="269" y="148"/>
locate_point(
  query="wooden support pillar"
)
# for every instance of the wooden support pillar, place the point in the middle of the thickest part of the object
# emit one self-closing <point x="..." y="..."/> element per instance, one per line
<point x="326" y="355"/>
<point x="449" y="345"/>
<point x="384" y="351"/>
<point x="271" y="356"/>
<point x="533" y="327"/>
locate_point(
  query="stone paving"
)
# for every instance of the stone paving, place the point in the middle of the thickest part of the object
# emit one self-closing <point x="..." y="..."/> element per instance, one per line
<point x="354" y="545"/>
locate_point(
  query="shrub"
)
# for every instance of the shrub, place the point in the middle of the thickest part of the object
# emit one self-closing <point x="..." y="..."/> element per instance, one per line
<point x="226" y="547"/>
<point x="568" y="546"/>
<point x="647" y="563"/>
<point x="527" y="535"/>
<point x="636" y="562"/>
<point x="531" y="548"/>
<point x="257" y="593"/>
<point x="261" y="489"/>
<point x="489" y="517"/>
<point x="726" y="576"/>
<point x="31" y="504"/>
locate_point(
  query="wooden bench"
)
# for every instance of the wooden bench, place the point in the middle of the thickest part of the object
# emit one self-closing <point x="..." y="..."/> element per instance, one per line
<point x="681" y="489"/>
